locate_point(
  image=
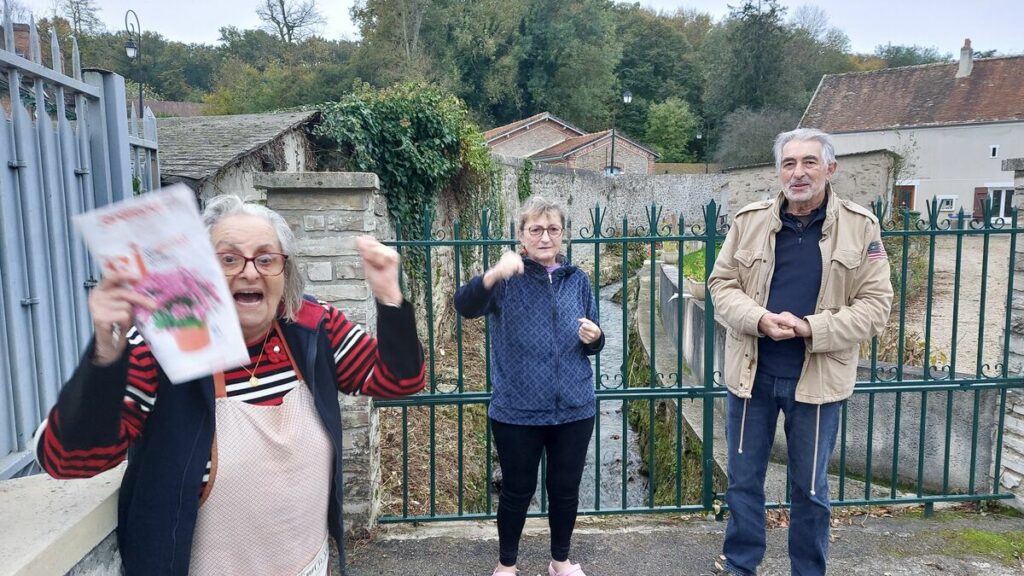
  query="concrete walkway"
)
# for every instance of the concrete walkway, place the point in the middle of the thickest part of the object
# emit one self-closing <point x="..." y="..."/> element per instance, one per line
<point x="949" y="544"/>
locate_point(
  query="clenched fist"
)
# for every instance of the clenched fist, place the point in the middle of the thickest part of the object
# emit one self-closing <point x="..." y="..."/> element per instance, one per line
<point x="380" y="263"/>
<point x="589" y="332"/>
<point x="509" y="265"/>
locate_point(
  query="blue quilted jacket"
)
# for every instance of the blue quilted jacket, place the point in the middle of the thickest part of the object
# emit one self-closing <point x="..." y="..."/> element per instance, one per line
<point x="539" y="367"/>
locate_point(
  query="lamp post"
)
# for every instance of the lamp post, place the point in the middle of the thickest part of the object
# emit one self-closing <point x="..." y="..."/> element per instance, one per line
<point x="133" y="48"/>
<point x="627" y="97"/>
<point x="704" y="151"/>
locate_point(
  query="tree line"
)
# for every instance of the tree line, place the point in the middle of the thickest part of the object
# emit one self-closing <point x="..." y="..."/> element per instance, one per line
<point x="700" y="88"/>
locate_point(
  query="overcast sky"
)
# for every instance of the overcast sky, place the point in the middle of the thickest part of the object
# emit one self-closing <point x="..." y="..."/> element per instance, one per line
<point x="942" y="24"/>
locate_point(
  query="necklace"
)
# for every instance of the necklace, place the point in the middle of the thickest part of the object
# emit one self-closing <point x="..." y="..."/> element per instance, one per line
<point x="253" y="380"/>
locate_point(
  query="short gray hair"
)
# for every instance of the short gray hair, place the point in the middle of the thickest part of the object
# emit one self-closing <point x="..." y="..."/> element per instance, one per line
<point x="536" y="206"/>
<point x="220" y="207"/>
<point x="828" y="149"/>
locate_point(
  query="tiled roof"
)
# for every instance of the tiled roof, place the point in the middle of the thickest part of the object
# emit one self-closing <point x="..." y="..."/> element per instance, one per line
<point x="918" y="96"/>
<point x="198" y="147"/>
<point x="509" y="128"/>
<point x="567" y="147"/>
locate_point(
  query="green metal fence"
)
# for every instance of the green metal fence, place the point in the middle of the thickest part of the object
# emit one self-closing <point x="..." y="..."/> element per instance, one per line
<point x="438" y="461"/>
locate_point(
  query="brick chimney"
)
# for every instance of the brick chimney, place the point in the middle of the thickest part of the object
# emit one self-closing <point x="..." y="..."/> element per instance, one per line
<point x="966" y="60"/>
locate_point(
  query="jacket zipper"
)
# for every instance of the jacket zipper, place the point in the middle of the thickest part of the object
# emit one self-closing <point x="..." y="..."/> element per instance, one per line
<point x="554" y="347"/>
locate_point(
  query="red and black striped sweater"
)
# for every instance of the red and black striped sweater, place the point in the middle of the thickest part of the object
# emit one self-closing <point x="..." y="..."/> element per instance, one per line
<point x="361" y="367"/>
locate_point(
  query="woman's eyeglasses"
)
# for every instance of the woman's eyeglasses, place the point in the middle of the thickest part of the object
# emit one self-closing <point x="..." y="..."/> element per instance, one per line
<point x="267" y="264"/>
<point x="538" y="231"/>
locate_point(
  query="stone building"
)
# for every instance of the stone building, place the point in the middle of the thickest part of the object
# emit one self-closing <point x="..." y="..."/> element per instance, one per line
<point x="545" y="138"/>
<point x="223" y="154"/>
<point x="952" y="122"/>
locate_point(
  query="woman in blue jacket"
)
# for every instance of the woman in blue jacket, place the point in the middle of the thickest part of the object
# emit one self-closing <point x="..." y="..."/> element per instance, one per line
<point x="543" y="327"/>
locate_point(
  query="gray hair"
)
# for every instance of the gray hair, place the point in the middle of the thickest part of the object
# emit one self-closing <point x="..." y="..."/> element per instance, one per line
<point x="536" y="206"/>
<point x="220" y="207"/>
<point x="828" y="149"/>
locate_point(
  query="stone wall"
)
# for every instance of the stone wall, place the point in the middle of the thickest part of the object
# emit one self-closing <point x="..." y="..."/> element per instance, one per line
<point x="862" y="178"/>
<point x="1012" y="473"/>
<point x="327" y="211"/>
<point x="628" y="195"/>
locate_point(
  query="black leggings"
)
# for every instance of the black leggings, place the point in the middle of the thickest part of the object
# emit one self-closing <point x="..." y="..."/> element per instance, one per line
<point x="519" y="451"/>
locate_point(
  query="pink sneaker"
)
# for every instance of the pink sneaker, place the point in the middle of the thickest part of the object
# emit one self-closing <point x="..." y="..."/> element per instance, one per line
<point x="572" y="570"/>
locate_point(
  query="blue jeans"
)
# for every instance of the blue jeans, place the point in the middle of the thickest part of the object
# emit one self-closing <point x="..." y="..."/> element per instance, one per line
<point x="809" y="513"/>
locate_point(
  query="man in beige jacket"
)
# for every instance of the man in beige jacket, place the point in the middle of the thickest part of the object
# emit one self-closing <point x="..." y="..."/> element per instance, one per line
<point x="800" y="282"/>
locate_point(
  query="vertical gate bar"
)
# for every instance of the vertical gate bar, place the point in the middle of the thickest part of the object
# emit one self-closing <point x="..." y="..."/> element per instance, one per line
<point x="974" y="441"/>
<point x="980" y="356"/>
<point x="457" y="249"/>
<point x="14" y="288"/>
<point x="708" y="424"/>
<point x="37" y="266"/>
<point x="624" y="368"/>
<point x="948" y="443"/>
<point x="904" y="264"/>
<point x="986" y="243"/>
<point x="428" y="248"/>
<point x="405" y="462"/>
<point x="933" y="215"/>
<point x="894" y="475"/>
<point x="680" y="302"/>
<point x="957" y="273"/>
<point x="8" y="423"/>
<point x="869" y="473"/>
<point x="72" y="194"/>
<point x="597" y="372"/>
<point x="652" y="471"/>
<point x="64" y="352"/>
<point x="900" y="349"/>
<point x="1005" y="373"/>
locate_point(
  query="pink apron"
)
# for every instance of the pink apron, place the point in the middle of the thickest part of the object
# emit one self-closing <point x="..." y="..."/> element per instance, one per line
<point x="267" y="513"/>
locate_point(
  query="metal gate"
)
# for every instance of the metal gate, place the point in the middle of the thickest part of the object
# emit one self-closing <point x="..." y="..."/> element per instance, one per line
<point x="66" y="142"/>
<point x="925" y="423"/>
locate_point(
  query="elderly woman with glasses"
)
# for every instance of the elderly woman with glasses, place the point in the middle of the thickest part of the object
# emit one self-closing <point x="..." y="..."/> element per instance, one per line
<point x="543" y="327"/>
<point x="239" y="472"/>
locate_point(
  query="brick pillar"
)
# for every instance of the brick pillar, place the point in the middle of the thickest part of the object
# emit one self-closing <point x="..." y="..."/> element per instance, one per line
<point x="1012" y="473"/>
<point x="326" y="211"/>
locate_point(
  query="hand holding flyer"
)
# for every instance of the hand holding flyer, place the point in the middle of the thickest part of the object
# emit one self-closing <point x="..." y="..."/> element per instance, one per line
<point x="159" y="241"/>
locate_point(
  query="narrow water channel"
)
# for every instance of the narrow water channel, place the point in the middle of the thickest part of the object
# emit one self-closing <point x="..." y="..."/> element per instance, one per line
<point x="612" y="427"/>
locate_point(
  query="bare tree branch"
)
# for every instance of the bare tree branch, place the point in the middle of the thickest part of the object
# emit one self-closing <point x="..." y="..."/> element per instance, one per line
<point x="291" y="20"/>
<point x="83" y="16"/>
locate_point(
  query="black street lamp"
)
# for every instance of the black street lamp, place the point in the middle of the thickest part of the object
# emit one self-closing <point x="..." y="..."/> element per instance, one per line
<point x="700" y="135"/>
<point x="627" y="97"/>
<point x="133" y="48"/>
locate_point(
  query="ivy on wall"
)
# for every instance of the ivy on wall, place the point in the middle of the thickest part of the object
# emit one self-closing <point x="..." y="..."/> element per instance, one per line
<point x="420" y="143"/>
<point x="523" y="180"/>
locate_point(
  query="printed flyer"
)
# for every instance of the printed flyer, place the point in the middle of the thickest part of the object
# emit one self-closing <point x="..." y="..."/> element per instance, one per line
<point x="159" y="237"/>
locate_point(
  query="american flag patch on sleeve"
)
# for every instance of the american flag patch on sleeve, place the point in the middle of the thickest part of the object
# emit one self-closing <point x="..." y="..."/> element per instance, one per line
<point x="876" y="250"/>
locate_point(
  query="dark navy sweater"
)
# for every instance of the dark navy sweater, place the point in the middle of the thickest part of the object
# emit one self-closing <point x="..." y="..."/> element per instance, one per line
<point x="539" y="367"/>
<point x="795" y="284"/>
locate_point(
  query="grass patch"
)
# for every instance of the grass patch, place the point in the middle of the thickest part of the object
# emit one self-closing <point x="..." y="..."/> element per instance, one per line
<point x="1008" y="547"/>
<point x="693" y="263"/>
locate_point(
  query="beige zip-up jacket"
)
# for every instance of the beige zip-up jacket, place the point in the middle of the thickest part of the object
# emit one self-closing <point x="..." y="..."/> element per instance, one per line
<point x="852" y="306"/>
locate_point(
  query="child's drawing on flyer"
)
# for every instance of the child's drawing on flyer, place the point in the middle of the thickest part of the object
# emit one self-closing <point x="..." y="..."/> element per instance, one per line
<point x="160" y="240"/>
